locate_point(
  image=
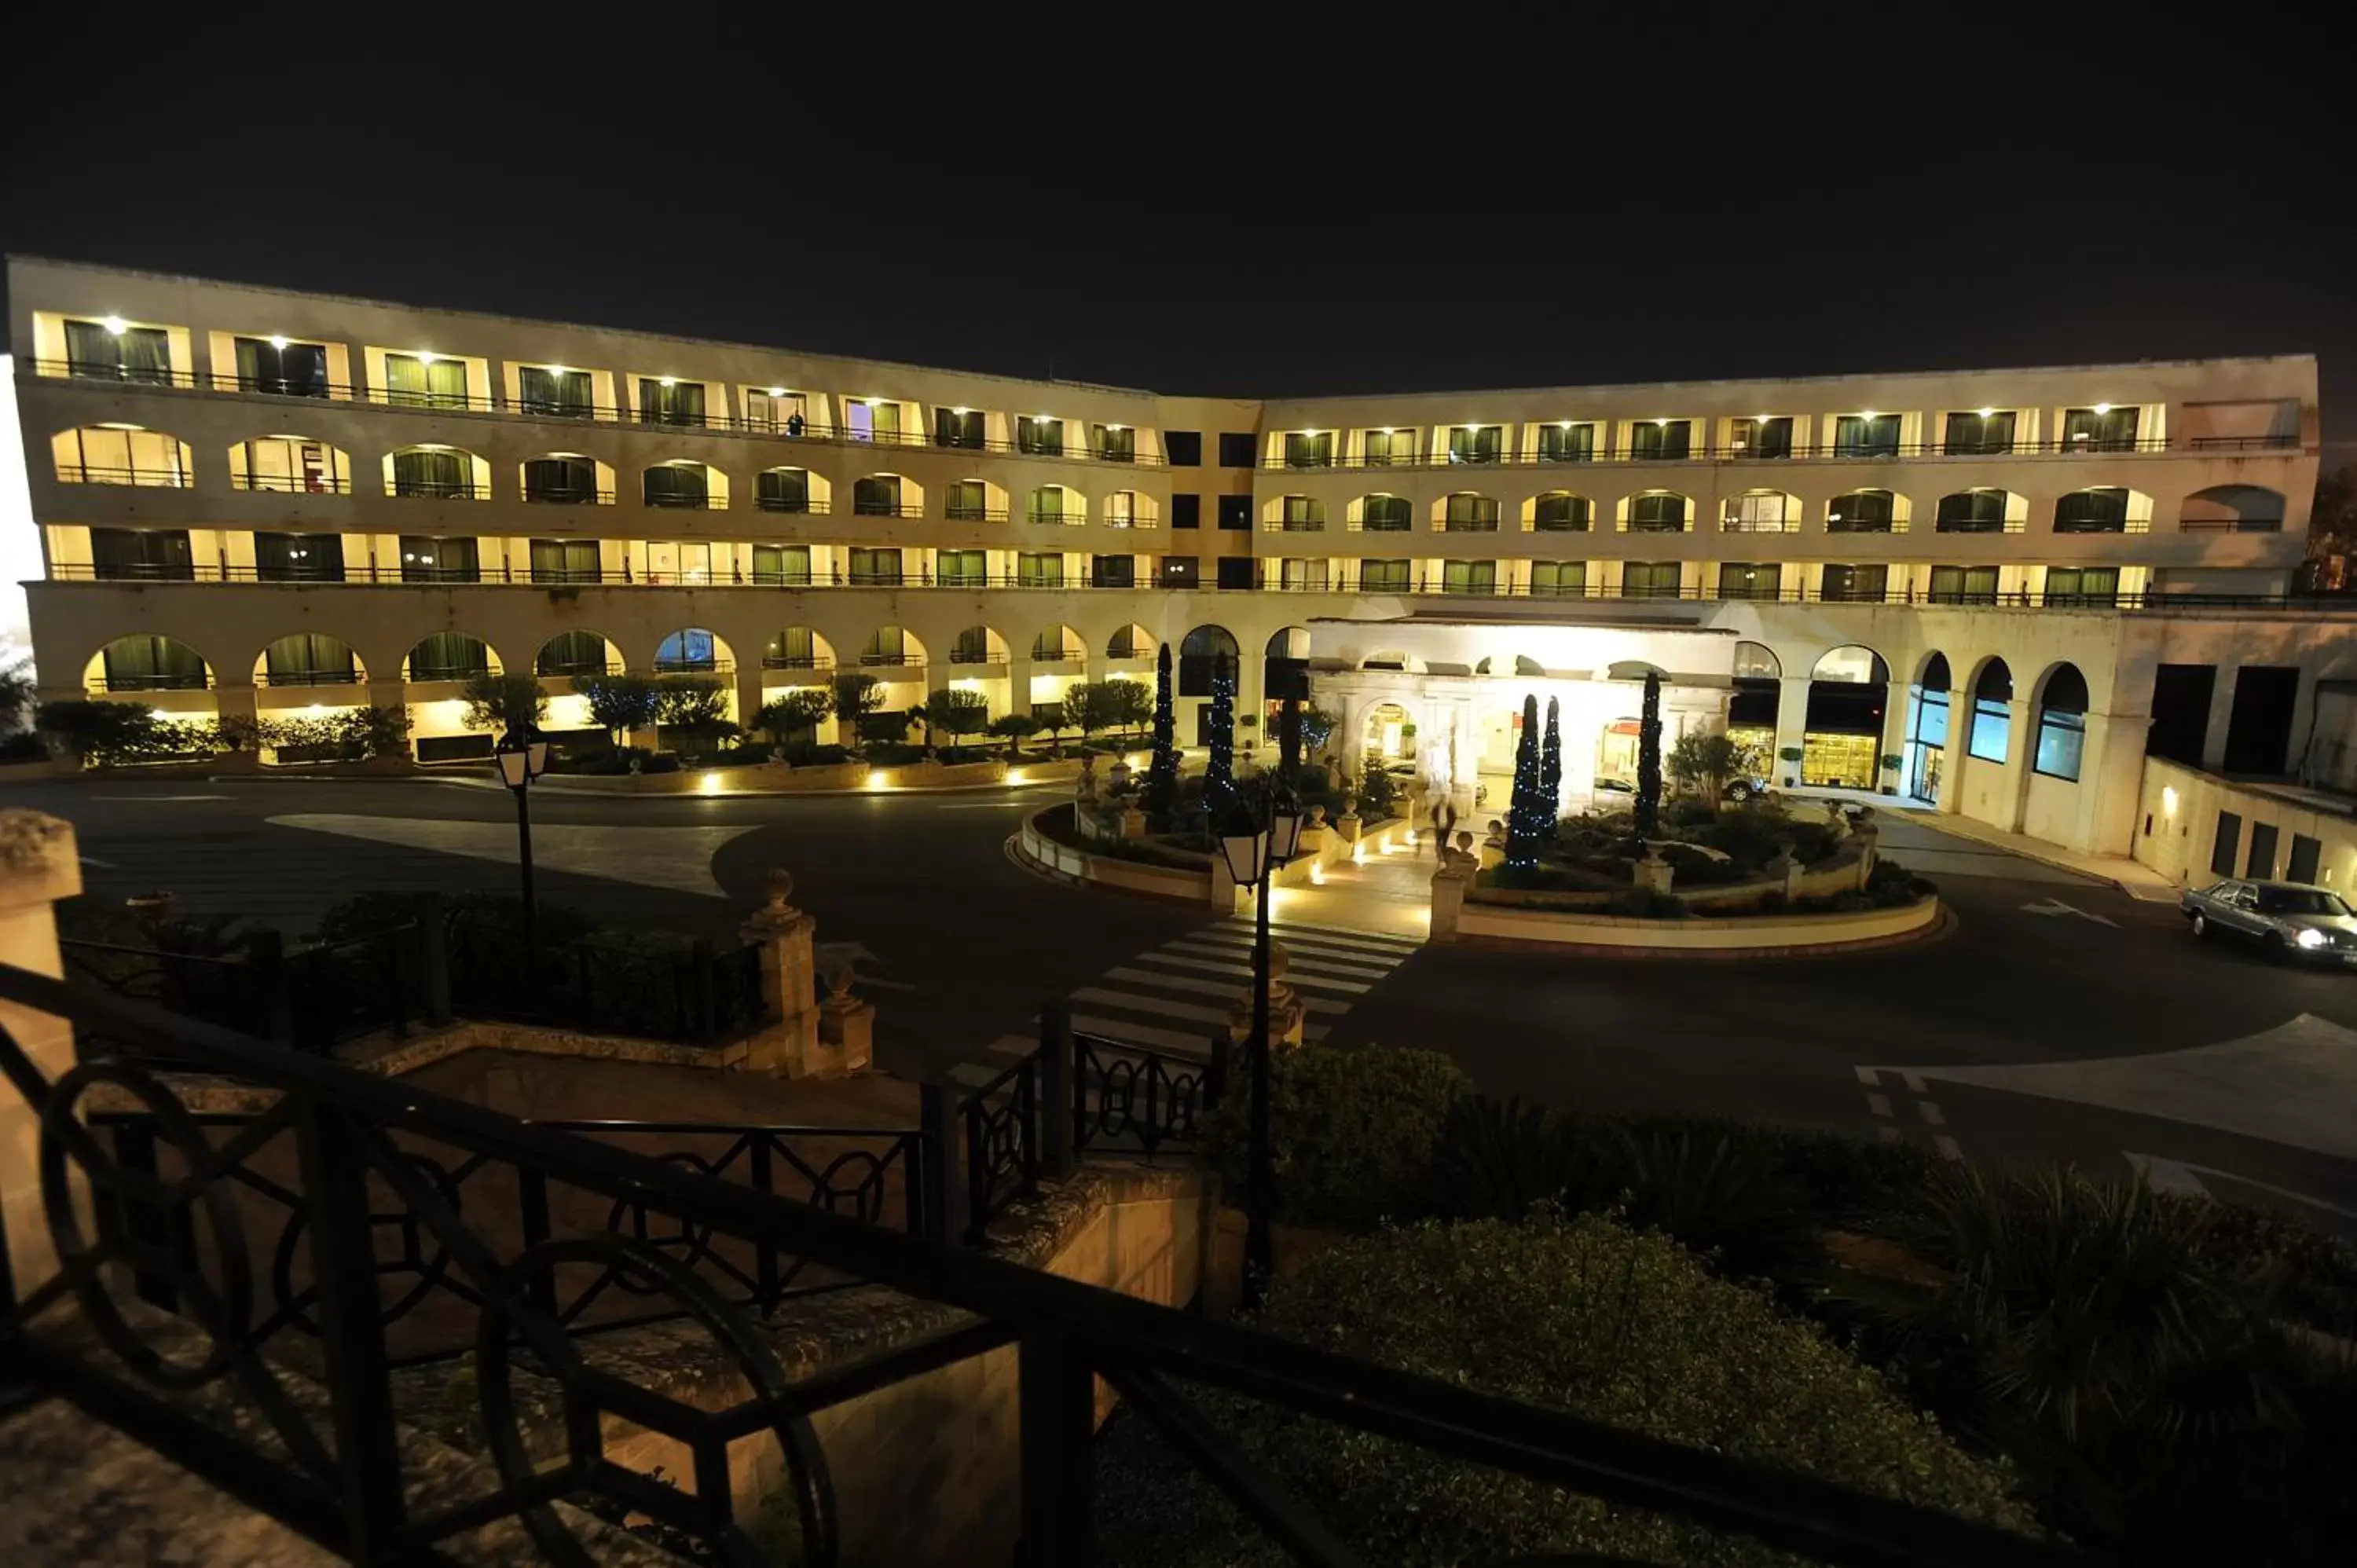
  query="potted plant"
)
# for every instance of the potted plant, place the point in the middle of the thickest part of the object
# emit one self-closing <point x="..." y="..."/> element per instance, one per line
<point x="1890" y="764"/>
<point x="1790" y="756"/>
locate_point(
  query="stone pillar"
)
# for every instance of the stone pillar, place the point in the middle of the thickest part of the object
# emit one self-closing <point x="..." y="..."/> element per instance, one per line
<point x="39" y="866"/>
<point x="1287" y="1015"/>
<point x="1224" y="886"/>
<point x="1787" y="870"/>
<point x="2021" y="742"/>
<point x="1792" y="727"/>
<point x="787" y="1044"/>
<point x="1894" y="736"/>
<point x="2222" y="718"/>
<point x="1652" y="874"/>
<point x="846" y="1028"/>
<point x="749" y="691"/>
<point x="1951" y="752"/>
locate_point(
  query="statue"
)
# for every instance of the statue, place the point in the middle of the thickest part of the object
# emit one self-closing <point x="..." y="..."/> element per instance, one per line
<point x="1084" y="789"/>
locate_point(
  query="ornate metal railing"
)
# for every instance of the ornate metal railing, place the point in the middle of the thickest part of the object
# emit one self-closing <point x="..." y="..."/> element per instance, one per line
<point x="337" y="1475"/>
<point x="697" y="996"/>
<point x="1126" y="1097"/>
<point x="312" y="998"/>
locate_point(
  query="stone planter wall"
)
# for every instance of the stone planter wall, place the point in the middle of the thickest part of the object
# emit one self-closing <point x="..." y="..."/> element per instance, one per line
<point x="1109" y="871"/>
<point x="1735" y="935"/>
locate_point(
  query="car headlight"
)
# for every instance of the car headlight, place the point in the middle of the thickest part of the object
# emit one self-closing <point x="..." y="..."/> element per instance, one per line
<point x="2310" y="936"/>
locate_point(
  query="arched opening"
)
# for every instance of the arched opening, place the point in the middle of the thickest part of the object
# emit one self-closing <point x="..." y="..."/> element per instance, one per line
<point x="790" y="489"/>
<point x="1840" y="738"/>
<point x="121" y="454"/>
<point x="1561" y="512"/>
<point x="2232" y="508"/>
<point x="1992" y="716"/>
<point x="1297" y="514"/>
<point x="2062" y="736"/>
<point x="2099" y="508"/>
<point x="1866" y="511"/>
<point x="1388" y="734"/>
<point x="1385" y="514"/>
<point x="692" y="650"/>
<point x="683" y="484"/>
<point x="436" y="473"/>
<point x="1055" y="506"/>
<point x="1760" y="511"/>
<point x="1129" y="508"/>
<point x="1467" y="511"/>
<point x="308" y="659"/>
<point x="449" y="656"/>
<point x="885" y="495"/>
<point x="1058" y="645"/>
<point x="290" y="464"/>
<point x="1132" y="641"/>
<point x="148" y="664"/>
<point x="567" y="478"/>
<point x="1982" y="511"/>
<point x="571" y="653"/>
<point x="1284" y="671"/>
<point x="1655" y="511"/>
<point x="1925" y="751"/>
<point x="973" y="500"/>
<point x="978" y="645"/>
<point x="797" y="648"/>
<point x="891" y="648"/>
<point x="1205" y="653"/>
<point x="1751" y="709"/>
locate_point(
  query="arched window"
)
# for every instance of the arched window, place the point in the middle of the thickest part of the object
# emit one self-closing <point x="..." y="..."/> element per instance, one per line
<point x="435" y="473"/>
<point x="1992" y="712"/>
<point x="1130" y="642"/>
<point x="2099" y="510"/>
<point x="783" y="489"/>
<point x="2061" y="724"/>
<point x="1386" y="514"/>
<point x="890" y="645"/>
<point x="1055" y="506"/>
<point x="692" y="651"/>
<point x="1756" y="662"/>
<point x="1560" y="512"/>
<point x="121" y="455"/>
<point x="1207" y="653"/>
<point x="562" y="478"/>
<point x="877" y="495"/>
<point x="971" y="646"/>
<point x="797" y="648"/>
<point x="447" y="656"/>
<point x="308" y="659"/>
<point x="574" y="653"/>
<point x="685" y="485"/>
<point x="293" y="465"/>
<point x="1861" y="512"/>
<point x="2232" y="508"/>
<point x="1303" y="514"/>
<point x="1758" y="511"/>
<point x="1657" y="512"/>
<point x="1057" y="645"/>
<point x="149" y="664"/>
<point x="1971" y="512"/>
<point x="1466" y="512"/>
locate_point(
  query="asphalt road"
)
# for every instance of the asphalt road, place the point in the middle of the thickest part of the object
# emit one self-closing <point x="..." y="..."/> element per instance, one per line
<point x="2041" y="966"/>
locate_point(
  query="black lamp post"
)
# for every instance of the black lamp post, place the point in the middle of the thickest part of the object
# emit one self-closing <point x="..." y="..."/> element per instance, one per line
<point x="523" y="756"/>
<point x="1254" y="848"/>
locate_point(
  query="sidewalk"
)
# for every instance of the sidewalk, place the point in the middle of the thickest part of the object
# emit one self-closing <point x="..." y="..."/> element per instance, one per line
<point x="1385" y="895"/>
<point x="2131" y="877"/>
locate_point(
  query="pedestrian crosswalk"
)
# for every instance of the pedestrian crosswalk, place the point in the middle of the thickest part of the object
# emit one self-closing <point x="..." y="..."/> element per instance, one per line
<point x="1177" y="996"/>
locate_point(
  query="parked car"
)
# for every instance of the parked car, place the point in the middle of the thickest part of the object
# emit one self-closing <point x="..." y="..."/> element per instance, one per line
<point x="1742" y="789"/>
<point x="2291" y="919"/>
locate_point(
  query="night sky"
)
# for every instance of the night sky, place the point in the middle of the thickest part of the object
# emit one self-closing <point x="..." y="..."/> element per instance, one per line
<point x="1196" y="207"/>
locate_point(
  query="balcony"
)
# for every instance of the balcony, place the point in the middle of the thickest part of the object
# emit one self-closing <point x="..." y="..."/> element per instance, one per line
<point x="870" y="507"/>
<point x="569" y="495"/>
<point x="439" y="490"/>
<point x="291" y="484"/>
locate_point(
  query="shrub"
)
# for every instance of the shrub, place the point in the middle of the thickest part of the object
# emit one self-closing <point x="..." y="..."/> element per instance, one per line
<point x="25" y="747"/>
<point x="1351" y="1132"/>
<point x="1378" y="793"/>
<point x="893" y="753"/>
<point x="1644" y="904"/>
<point x="617" y="704"/>
<point x="109" y="732"/>
<point x="1581" y="1314"/>
<point x="880" y="732"/>
<point x="503" y="701"/>
<point x="804" y="754"/>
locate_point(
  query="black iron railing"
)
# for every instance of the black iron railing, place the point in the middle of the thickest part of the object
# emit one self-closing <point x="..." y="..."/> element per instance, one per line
<point x="698" y="996"/>
<point x="340" y="1476"/>
<point x="169" y="476"/>
<point x="312" y="997"/>
<point x="1831" y="451"/>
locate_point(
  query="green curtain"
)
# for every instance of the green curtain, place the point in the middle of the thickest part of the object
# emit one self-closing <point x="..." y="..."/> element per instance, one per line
<point x="1040" y="571"/>
<point x="876" y="567"/>
<point x="781" y="566"/>
<point x="1387" y="512"/>
<point x="1382" y="576"/>
<point x="298" y="557"/>
<point x="675" y="484"/>
<point x="876" y="497"/>
<point x="783" y="489"/>
<point x="309" y="658"/>
<point x="416" y="473"/>
<point x="1562" y="513"/>
<point x="886" y="645"/>
<point x="791" y="650"/>
<point x="564" y="561"/>
<point x="152" y="664"/>
<point x="91" y="351"/>
<point x="449" y="656"/>
<point x="424" y="559"/>
<point x="1121" y="571"/>
<point x="571" y="652"/>
<point x="404" y="380"/>
<point x="565" y="394"/>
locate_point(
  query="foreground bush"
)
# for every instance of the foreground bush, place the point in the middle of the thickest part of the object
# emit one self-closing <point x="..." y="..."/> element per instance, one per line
<point x="1351" y="1131"/>
<point x="1582" y="1315"/>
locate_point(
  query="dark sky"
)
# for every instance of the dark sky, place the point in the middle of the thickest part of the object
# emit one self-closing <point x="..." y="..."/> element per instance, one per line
<point x="1209" y="202"/>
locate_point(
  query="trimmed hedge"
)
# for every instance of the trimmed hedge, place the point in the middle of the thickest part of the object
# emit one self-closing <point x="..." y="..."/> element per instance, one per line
<point x="1583" y="1314"/>
<point x="1351" y="1132"/>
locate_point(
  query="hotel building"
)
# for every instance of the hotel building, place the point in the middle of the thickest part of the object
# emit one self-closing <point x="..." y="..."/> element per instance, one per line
<point x="2013" y="581"/>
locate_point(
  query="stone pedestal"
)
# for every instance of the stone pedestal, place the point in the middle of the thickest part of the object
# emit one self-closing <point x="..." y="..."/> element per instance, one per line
<point x="38" y="865"/>
<point x="1787" y="870"/>
<point x="1346" y="828"/>
<point x="1132" y="822"/>
<point x="1448" y="885"/>
<point x="1287" y="1015"/>
<point x="1866" y="833"/>
<point x="846" y="1028"/>
<point x="787" y="1044"/>
<point x="1652" y="874"/>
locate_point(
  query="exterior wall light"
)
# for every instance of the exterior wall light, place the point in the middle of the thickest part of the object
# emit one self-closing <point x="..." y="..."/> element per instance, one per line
<point x="115" y="325"/>
<point x="667" y="380"/>
<point x="777" y="392"/>
<point x="426" y="356"/>
<point x="2103" y="408"/>
<point x="1988" y="413"/>
<point x="1659" y="423"/>
<point x="1869" y="413"/>
<point x="277" y="342"/>
<point x="2168" y="800"/>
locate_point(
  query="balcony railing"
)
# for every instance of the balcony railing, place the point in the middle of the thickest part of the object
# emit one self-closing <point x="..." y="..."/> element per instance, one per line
<point x="568" y="495"/>
<point x="197" y="681"/>
<point x="168" y="477"/>
<point x="438" y="489"/>
<point x="671" y="501"/>
<point x="347" y="675"/>
<point x="974" y="513"/>
<point x="2230" y="525"/>
<point x="886" y="508"/>
<point x="798" y="505"/>
<point x="291" y="484"/>
<point x="1821" y="452"/>
<point x="1057" y="518"/>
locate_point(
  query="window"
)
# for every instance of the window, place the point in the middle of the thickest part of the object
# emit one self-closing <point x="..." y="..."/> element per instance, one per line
<point x="957" y="427"/>
<point x="1866" y="436"/>
<point x="298" y="557"/>
<point x="571" y="480"/>
<point x="424" y="559"/>
<point x="1179" y="571"/>
<point x="1185" y="511"/>
<point x="1038" y="436"/>
<point x="2062" y="725"/>
<point x="290" y="464"/>
<point x="1663" y="439"/>
<point x="1469" y="576"/>
<point x="1112" y="571"/>
<point x="680" y="402"/>
<point x="1309" y="449"/>
<point x="308" y="659"/>
<point x="1560" y="512"/>
<point x="1476" y="443"/>
<point x="1301" y="575"/>
<point x="795" y="648"/>
<point x="1558" y="579"/>
<point x="559" y="394"/>
<point x="966" y="500"/>
<point x="777" y="411"/>
<point x="1054" y="505"/>
<point x="687" y="562"/>
<point x="1566" y="443"/>
<point x="2102" y="429"/>
<point x="1303" y="514"/>
<point x="132" y="354"/>
<point x="1862" y="511"/>
<point x="1855" y="584"/>
<point x="1992" y="712"/>
<point x="1963" y="584"/>
<point x="1035" y="569"/>
<point x="2306" y="853"/>
<point x="121" y="455"/>
<point x="1755" y="511"/>
<point x="1127" y="644"/>
<point x="565" y="561"/>
<point x="449" y="656"/>
<point x="281" y="369"/>
<point x="571" y="653"/>
<point x="424" y="381"/>
<point x="686" y="651"/>
<point x="1972" y="511"/>
<point x="1235" y="450"/>
<point x="1383" y="577"/>
<point x="1236" y="572"/>
<point x="874" y="568"/>
<point x="1657" y="512"/>
<point x="1750" y="580"/>
<point x="873" y="419"/>
<point x="1650" y="580"/>
<point x="961" y="568"/>
<point x="1386" y="514"/>
<point x="1183" y="448"/>
<point x="1236" y="512"/>
<point x="781" y="489"/>
<point x="152" y="664"/>
<point x="781" y="566"/>
<point x="971" y="646"/>
<point x="2228" y="838"/>
<point x="1761" y="437"/>
<point x="2092" y="511"/>
<point x="1466" y="512"/>
<point x="1113" y="443"/>
<point x="879" y="494"/>
<point x="149" y="554"/>
<point x="886" y="645"/>
<point x="1385" y="448"/>
<point x="1979" y="435"/>
<point x="676" y="485"/>
<point x="2083" y="586"/>
<point x="436" y="472"/>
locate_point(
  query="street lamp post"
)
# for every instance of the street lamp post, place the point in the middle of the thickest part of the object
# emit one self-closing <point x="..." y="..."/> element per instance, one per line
<point x="1254" y="849"/>
<point x="523" y="756"/>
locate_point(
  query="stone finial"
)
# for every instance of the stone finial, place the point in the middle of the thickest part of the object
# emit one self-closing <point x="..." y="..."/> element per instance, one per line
<point x="1317" y="817"/>
<point x="839" y="977"/>
<point x="30" y="840"/>
<point x="780" y="883"/>
<point x="1085" y="786"/>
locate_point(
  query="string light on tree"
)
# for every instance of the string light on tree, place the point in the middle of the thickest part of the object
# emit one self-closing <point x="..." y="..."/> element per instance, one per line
<point x="1162" y="773"/>
<point x="1551" y="765"/>
<point x="1649" y="759"/>
<point x="1524" y="835"/>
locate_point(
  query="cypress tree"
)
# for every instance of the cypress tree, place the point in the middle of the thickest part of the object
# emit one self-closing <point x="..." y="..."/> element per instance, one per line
<point x="1220" y="771"/>
<point x="1649" y="759"/>
<point x="1162" y="773"/>
<point x="1551" y="766"/>
<point x="1524" y="811"/>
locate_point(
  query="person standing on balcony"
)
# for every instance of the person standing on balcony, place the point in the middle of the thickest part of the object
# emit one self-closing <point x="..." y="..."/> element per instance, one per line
<point x="793" y="424"/>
